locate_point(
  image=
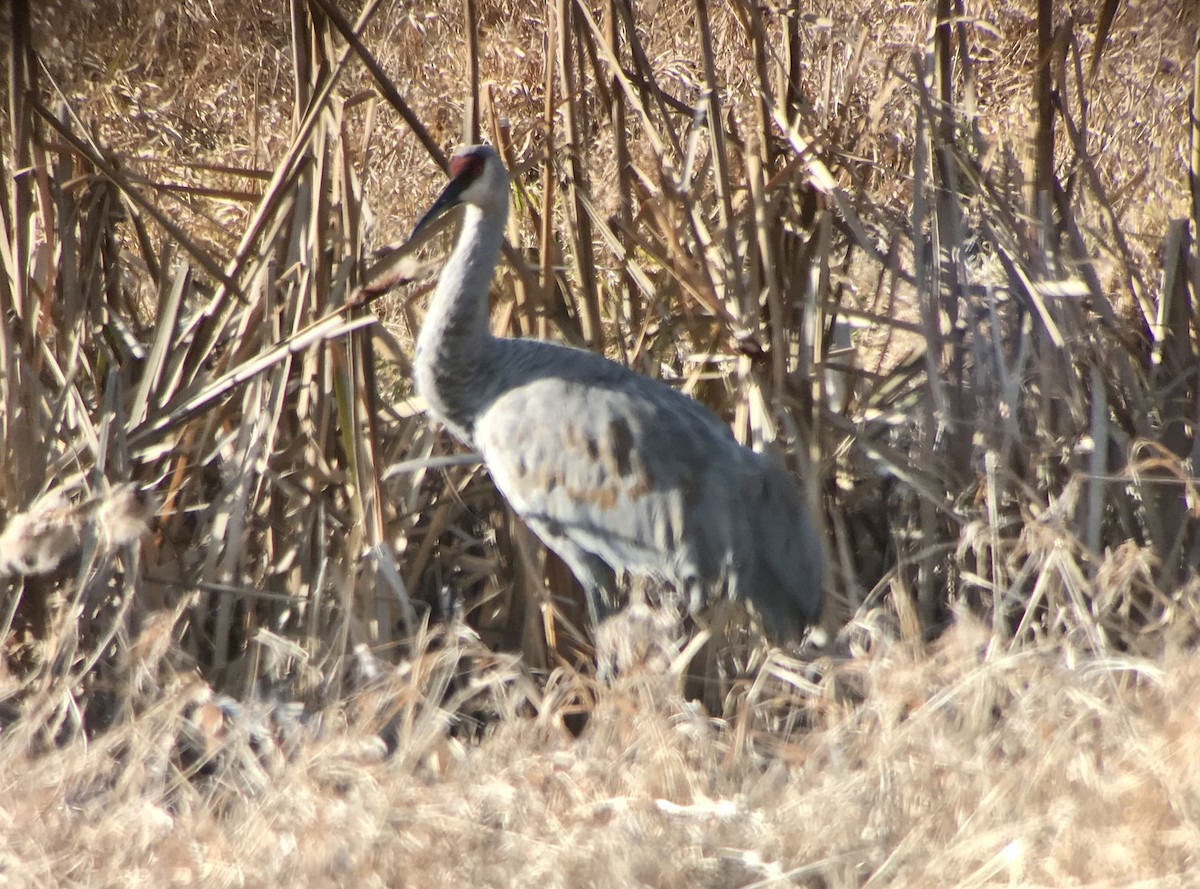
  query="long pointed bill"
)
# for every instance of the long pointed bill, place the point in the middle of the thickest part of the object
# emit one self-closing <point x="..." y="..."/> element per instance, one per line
<point x="448" y="199"/>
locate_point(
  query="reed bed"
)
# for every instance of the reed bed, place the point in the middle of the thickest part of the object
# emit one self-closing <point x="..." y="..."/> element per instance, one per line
<point x="261" y="622"/>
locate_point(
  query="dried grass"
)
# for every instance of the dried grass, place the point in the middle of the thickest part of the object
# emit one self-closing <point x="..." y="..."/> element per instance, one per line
<point x="951" y="768"/>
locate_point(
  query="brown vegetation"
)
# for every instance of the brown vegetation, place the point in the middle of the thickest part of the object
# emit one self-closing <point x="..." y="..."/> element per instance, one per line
<point x="941" y="259"/>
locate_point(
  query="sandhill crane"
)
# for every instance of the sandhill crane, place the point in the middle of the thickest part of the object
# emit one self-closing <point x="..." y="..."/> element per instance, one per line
<point x="614" y="471"/>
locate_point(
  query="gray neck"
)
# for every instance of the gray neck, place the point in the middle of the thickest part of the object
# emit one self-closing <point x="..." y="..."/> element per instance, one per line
<point x="455" y="338"/>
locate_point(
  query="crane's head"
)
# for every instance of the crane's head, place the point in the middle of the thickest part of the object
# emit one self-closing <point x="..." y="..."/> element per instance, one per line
<point x="477" y="176"/>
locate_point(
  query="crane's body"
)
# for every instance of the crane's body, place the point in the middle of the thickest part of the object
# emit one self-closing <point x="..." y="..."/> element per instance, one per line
<point x="612" y="470"/>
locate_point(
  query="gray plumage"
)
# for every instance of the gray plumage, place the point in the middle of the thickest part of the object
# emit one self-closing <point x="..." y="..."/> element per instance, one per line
<point x="612" y="470"/>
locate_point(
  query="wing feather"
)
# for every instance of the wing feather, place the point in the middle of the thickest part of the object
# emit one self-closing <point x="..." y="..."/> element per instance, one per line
<point x="651" y="482"/>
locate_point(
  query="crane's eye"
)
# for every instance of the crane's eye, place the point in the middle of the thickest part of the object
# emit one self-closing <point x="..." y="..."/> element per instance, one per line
<point x="466" y="167"/>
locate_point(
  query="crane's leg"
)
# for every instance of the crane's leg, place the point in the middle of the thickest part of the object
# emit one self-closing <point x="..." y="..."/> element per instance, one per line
<point x="599" y="581"/>
<point x="716" y="683"/>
